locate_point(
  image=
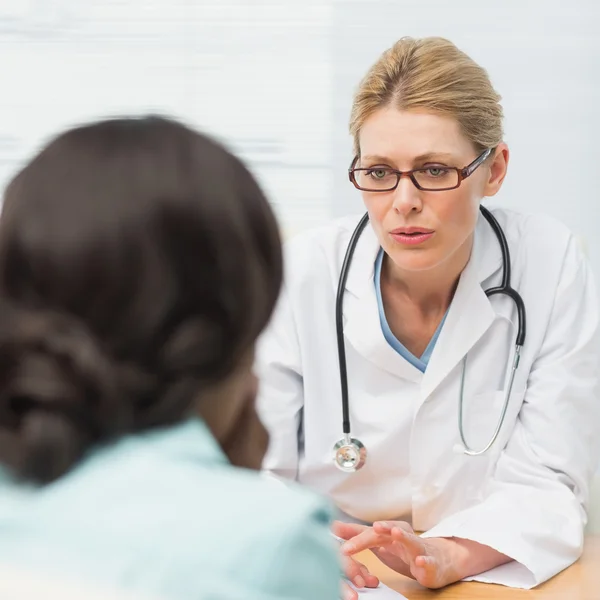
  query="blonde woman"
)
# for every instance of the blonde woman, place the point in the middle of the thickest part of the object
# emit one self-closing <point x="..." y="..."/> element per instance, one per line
<point x="440" y="301"/>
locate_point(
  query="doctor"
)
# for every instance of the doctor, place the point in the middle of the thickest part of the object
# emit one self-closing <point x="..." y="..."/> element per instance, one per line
<point x="430" y="356"/>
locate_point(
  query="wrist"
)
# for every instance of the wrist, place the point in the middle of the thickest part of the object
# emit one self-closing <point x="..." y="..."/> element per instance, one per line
<point x="471" y="558"/>
<point x="457" y="557"/>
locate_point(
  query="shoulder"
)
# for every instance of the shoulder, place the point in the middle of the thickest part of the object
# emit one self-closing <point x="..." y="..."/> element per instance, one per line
<point x="272" y="539"/>
<point x="325" y="235"/>
<point x="533" y="229"/>
<point x="318" y="250"/>
<point x="294" y="540"/>
<point x="209" y="523"/>
<point x="537" y="239"/>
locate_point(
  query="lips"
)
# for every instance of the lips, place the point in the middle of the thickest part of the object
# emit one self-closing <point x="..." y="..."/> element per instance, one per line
<point x="411" y="231"/>
<point x="411" y="236"/>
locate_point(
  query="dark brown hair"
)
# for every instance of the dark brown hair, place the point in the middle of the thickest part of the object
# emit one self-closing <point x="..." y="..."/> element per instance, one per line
<point x="139" y="261"/>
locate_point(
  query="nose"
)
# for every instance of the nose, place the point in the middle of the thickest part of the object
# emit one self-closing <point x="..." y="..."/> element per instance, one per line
<point x="407" y="198"/>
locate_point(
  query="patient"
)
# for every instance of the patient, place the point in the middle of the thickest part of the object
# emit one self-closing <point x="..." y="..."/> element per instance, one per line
<point x="139" y="261"/>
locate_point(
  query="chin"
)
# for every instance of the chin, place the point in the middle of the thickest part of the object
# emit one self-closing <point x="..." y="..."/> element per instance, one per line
<point x="415" y="261"/>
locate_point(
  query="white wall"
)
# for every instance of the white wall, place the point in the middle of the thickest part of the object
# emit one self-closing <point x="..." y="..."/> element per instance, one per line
<point x="254" y="73"/>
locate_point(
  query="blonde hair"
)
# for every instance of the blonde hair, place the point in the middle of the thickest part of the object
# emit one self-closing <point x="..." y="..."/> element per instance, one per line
<point x="431" y="74"/>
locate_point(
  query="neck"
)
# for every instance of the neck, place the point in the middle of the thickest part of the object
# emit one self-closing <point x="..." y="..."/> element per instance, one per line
<point x="432" y="290"/>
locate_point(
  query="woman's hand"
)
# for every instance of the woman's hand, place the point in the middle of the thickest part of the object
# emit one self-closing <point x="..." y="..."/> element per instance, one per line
<point x="359" y="575"/>
<point x="354" y="571"/>
<point x="433" y="562"/>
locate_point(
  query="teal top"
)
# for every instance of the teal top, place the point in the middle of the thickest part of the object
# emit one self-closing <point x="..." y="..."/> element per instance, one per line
<point x="165" y="514"/>
<point x="420" y="362"/>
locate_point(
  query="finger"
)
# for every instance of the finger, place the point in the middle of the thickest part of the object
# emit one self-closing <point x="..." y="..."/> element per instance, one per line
<point x="368" y="538"/>
<point x="412" y="543"/>
<point x="387" y="526"/>
<point x="359" y="574"/>
<point x="425" y="570"/>
<point x="425" y="561"/>
<point x="353" y="571"/>
<point x="371" y="581"/>
<point x="392" y="552"/>
<point x="382" y="527"/>
<point x="348" y="593"/>
<point x="347" y="530"/>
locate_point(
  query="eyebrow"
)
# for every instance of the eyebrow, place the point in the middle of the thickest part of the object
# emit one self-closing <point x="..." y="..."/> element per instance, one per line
<point x="432" y="155"/>
<point x="421" y="158"/>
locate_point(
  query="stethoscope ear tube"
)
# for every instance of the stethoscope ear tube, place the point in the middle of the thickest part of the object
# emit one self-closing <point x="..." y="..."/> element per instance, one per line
<point x="339" y="320"/>
<point x="349" y="453"/>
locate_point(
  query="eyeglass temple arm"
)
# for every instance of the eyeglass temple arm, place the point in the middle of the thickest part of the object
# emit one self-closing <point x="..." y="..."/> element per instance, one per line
<point x="352" y="165"/>
<point x="481" y="158"/>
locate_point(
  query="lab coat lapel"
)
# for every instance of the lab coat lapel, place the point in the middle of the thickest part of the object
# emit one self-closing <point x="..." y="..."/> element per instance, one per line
<point x="470" y="314"/>
<point x="362" y="328"/>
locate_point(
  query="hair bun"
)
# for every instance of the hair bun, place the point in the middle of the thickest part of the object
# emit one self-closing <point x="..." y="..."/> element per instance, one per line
<point x="58" y="392"/>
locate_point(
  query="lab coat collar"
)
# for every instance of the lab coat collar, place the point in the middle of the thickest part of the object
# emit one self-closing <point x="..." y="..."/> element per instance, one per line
<point x="486" y="257"/>
<point x="469" y="316"/>
<point x="362" y="328"/>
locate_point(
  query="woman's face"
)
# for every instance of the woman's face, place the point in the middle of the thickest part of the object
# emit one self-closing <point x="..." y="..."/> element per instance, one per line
<point x="406" y="140"/>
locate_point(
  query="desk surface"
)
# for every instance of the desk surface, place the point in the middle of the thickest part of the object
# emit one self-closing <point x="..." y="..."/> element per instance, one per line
<point x="579" y="582"/>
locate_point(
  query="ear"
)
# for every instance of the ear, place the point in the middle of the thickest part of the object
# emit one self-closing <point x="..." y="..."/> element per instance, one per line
<point x="497" y="170"/>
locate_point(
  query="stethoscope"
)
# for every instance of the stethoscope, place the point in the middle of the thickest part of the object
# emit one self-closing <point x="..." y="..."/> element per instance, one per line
<point x="350" y="453"/>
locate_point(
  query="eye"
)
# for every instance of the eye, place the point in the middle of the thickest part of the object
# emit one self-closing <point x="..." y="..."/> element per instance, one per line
<point x="378" y="173"/>
<point x="436" y="171"/>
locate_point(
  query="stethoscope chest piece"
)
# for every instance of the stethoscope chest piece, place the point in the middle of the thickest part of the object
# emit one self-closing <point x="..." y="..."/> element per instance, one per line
<point x="349" y="454"/>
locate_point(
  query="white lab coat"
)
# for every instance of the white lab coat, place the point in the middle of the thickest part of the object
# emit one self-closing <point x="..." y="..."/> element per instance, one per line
<point x="527" y="496"/>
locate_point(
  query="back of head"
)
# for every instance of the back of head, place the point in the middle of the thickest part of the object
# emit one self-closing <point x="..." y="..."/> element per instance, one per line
<point x="139" y="260"/>
<point x="431" y="74"/>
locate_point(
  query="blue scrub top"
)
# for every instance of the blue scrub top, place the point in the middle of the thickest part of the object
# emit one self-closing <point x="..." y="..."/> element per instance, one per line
<point x="419" y="362"/>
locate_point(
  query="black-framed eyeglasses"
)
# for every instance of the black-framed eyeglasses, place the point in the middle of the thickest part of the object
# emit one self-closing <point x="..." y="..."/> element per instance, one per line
<point x="428" y="179"/>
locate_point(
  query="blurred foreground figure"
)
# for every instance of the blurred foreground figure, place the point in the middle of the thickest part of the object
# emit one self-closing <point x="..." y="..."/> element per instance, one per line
<point x="139" y="261"/>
